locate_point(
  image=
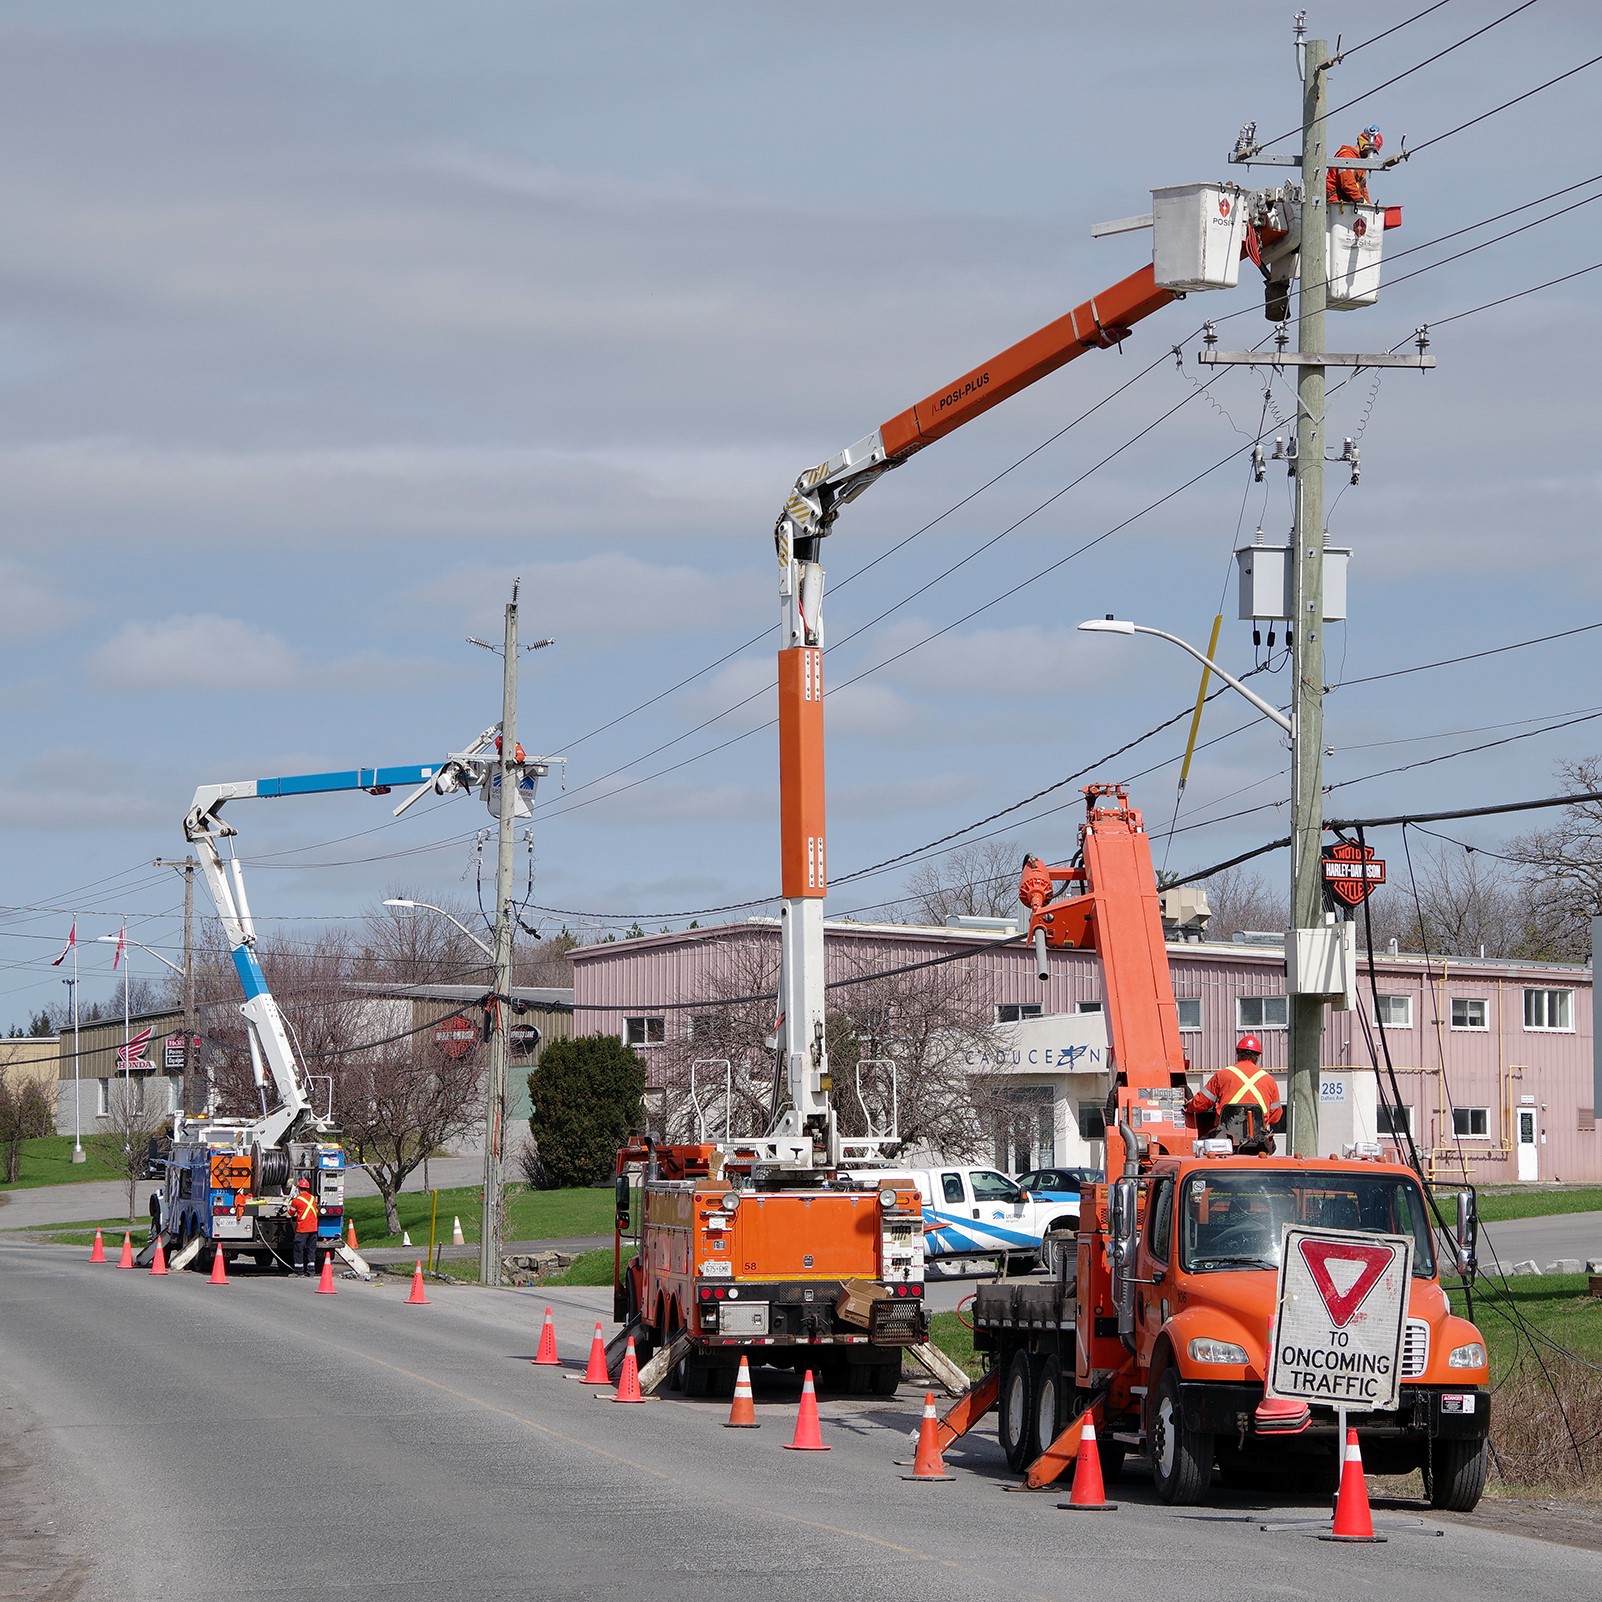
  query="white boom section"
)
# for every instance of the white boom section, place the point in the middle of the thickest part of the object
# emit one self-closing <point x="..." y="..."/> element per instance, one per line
<point x="270" y="1049"/>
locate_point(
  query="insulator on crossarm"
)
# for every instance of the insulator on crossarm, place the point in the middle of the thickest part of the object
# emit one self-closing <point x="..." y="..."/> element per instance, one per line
<point x="1209" y="335"/>
<point x="1259" y="464"/>
<point x="1279" y="447"/>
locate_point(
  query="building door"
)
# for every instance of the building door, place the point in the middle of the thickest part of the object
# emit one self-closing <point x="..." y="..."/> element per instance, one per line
<point x="1529" y="1162"/>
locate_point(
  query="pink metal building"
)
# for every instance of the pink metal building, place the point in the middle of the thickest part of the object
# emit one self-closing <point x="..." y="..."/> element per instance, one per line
<point x="1492" y="1059"/>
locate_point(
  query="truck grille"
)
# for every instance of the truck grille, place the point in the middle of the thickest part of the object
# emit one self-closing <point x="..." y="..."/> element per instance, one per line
<point x="1415" y="1348"/>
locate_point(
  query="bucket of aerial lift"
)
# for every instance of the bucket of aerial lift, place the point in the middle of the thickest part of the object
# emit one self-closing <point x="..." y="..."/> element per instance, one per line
<point x="1356" y="235"/>
<point x="1197" y="233"/>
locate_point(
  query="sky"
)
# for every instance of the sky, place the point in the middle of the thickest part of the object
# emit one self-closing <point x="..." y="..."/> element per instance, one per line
<point x="320" y="325"/>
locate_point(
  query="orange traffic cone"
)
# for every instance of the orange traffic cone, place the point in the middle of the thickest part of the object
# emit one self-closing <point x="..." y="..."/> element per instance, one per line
<point x="98" y="1255"/>
<point x="325" y="1285"/>
<point x="742" y="1415"/>
<point x="628" y="1377"/>
<point x="219" y="1267"/>
<point x="928" y="1464"/>
<point x="350" y="1234"/>
<point x="1353" y="1521"/>
<point x="808" y="1437"/>
<point x="1088" y="1494"/>
<point x="595" y="1372"/>
<point x="417" y="1298"/>
<point x="546" y="1355"/>
<point x="158" y="1264"/>
<point x="126" y="1260"/>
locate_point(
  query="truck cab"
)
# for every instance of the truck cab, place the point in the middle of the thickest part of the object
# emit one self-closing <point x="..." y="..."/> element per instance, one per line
<point x="972" y="1213"/>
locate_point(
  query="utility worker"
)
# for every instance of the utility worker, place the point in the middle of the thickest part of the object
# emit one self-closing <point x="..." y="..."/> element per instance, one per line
<point x="303" y="1210"/>
<point x="1244" y="1098"/>
<point x="1350" y="184"/>
<point x="1034" y="888"/>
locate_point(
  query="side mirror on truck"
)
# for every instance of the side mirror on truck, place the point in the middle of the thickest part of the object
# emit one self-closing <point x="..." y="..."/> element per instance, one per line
<point x="1466" y="1236"/>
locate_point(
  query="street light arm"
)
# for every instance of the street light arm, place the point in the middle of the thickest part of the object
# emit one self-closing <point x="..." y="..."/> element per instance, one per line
<point x="176" y="967"/>
<point x="1118" y="626"/>
<point x="428" y="906"/>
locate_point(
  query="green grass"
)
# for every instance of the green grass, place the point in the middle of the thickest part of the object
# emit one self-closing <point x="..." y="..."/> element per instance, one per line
<point x="588" y="1268"/>
<point x="955" y="1339"/>
<point x="530" y="1214"/>
<point x="1556" y="1305"/>
<point x="48" y="1161"/>
<point x="1530" y="1202"/>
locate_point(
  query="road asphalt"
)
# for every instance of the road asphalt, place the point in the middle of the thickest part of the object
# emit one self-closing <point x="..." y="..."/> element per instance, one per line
<point x="170" y="1439"/>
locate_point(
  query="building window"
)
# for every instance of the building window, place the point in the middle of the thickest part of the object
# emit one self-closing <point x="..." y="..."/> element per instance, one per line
<point x="1087" y="1006"/>
<point x="1470" y="1012"/>
<point x="1393" y="1122"/>
<point x="1016" y="1011"/>
<point x="644" y="1031"/>
<point x="1471" y="1123"/>
<point x="1026" y="1130"/>
<point x="1549" y="1009"/>
<point x="1393" y="1012"/>
<point x="1189" y="1012"/>
<point x="1092" y="1121"/>
<point x="1262" y="1012"/>
<point x="102" y="1098"/>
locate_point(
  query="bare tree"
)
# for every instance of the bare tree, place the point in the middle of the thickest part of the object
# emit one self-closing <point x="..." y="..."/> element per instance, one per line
<point x="1241" y="899"/>
<point x="974" y="881"/>
<point x="134" y="1113"/>
<point x="1562" y="868"/>
<point x="25" y="1114"/>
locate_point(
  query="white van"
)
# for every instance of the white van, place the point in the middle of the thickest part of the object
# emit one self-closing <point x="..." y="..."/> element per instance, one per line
<point x="972" y="1213"/>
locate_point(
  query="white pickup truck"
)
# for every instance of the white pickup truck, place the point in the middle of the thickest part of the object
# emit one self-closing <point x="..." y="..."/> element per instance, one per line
<point x="977" y="1213"/>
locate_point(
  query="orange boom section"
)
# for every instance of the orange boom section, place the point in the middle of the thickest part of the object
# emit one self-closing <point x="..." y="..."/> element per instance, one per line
<point x="804" y="866"/>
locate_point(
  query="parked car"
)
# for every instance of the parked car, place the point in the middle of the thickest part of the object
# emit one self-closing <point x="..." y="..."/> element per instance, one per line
<point x="1059" y="1189"/>
<point x="973" y="1213"/>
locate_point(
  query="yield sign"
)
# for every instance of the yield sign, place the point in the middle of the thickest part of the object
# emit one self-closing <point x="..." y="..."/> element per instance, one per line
<point x="1343" y="1273"/>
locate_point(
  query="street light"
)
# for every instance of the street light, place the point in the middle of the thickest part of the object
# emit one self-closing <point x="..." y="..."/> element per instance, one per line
<point x="1113" y="625"/>
<point x="176" y="967"/>
<point x="428" y="906"/>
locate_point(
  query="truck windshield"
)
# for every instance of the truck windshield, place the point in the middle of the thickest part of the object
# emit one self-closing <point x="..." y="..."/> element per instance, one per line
<point x="988" y="1186"/>
<point x="1235" y="1220"/>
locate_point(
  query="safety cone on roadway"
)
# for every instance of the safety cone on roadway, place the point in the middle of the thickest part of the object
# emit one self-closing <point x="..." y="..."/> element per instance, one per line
<point x="126" y="1260"/>
<point x="98" y="1255"/>
<point x="158" y="1264"/>
<point x="808" y="1437"/>
<point x="350" y="1234"/>
<point x="595" y="1371"/>
<point x="219" y="1267"/>
<point x="628" y="1377"/>
<point x="457" y="1237"/>
<point x="928" y="1464"/>
<point x="1353" y="1521"/>
<point x="546" y="1355"/>
<point x="325" y="1285"/>
<point x="1088" y="1494"/>
<point x="742" y="1415"/>
<point x="417" y="1298"/>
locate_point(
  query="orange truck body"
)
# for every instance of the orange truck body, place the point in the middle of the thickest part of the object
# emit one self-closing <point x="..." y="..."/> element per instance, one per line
<point x="1164" y="1330"/>
<point x="788" y="1267"/>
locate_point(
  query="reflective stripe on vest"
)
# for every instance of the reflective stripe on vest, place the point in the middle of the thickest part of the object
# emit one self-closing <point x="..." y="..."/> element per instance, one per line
<point x="304" y="1208"/>
<point x="1248" y="1086"/>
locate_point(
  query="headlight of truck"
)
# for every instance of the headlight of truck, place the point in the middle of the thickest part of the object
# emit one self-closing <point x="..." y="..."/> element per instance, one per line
<point x="1206" y="1350"/>
<point x="1470" y="1356"/>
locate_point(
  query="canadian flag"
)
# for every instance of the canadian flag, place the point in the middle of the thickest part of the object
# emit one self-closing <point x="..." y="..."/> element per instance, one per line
<point x="122" y="946"/>
<point x="72" y="940"/>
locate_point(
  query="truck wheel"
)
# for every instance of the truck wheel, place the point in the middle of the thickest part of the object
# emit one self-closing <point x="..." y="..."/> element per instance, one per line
<point x="1016" y="1411"/>
<point x="694" y="1376"/>
<point x="1181" y="1458"/>
<point x="886" y="1375"/>
<point x="1049" y="1402"/>
<point x="1454" y="1474"/>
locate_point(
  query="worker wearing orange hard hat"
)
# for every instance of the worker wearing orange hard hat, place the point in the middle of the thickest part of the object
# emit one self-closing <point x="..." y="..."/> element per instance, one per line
<point x="1350" y="184"/>
<point x="1244" y="1098"/>
<point x="303" y="1213"/>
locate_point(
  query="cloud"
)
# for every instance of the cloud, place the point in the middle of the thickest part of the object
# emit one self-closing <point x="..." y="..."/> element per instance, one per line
<point x="30" y="605"/>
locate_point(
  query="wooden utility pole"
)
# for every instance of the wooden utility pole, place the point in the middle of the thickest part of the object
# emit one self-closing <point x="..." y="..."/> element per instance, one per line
<point x="191" y="1020"/>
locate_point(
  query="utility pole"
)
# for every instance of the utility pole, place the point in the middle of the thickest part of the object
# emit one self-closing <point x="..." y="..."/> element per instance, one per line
<point x="1307" y="626"/>
<point x="191" y="1021"/>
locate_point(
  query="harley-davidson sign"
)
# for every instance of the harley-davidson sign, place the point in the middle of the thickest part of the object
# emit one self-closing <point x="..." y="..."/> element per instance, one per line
<point x="1351" y="871"/>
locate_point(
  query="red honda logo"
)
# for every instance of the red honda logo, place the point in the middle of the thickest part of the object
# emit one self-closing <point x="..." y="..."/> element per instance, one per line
<point x="1344" y="1272"/>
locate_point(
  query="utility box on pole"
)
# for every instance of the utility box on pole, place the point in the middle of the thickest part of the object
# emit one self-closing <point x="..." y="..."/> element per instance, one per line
<point x="1267" y="583"/>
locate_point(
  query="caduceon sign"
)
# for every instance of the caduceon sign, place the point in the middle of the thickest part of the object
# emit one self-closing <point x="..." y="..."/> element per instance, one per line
<point x="1060" y="1043"/>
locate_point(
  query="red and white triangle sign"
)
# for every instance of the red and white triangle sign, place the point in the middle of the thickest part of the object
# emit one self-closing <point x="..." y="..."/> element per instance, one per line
<point x="1344" y="1272"/>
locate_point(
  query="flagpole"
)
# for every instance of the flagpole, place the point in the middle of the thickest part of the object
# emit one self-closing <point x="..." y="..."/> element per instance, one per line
<point x="127" y="1065"/>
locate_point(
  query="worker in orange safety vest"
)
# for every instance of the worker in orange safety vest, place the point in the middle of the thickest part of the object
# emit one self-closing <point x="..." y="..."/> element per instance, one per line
<point x="1350" y="184"/>
<point x="1245" y="1099"/>
<point x="303" y="1211"/>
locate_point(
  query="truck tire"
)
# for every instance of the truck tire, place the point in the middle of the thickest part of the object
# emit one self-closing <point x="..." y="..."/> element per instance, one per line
<point x="1454" y="1474"/>
<point x="1181" y="1458"/>
<point x="1051" y="1402"/>
<point x="886" y="1380"/>
<point x="1059" y="1250"/>
<point x="1015" y="1411"/>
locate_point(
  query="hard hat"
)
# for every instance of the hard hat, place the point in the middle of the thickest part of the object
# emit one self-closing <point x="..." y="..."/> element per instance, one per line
<point x="1372" y="134"/>
<point x="1249" y="1043"/>
<point x="305" y="1184"/>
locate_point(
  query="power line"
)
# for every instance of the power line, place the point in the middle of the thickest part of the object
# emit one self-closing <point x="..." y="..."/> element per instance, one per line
<point x="1395" y="27"/>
